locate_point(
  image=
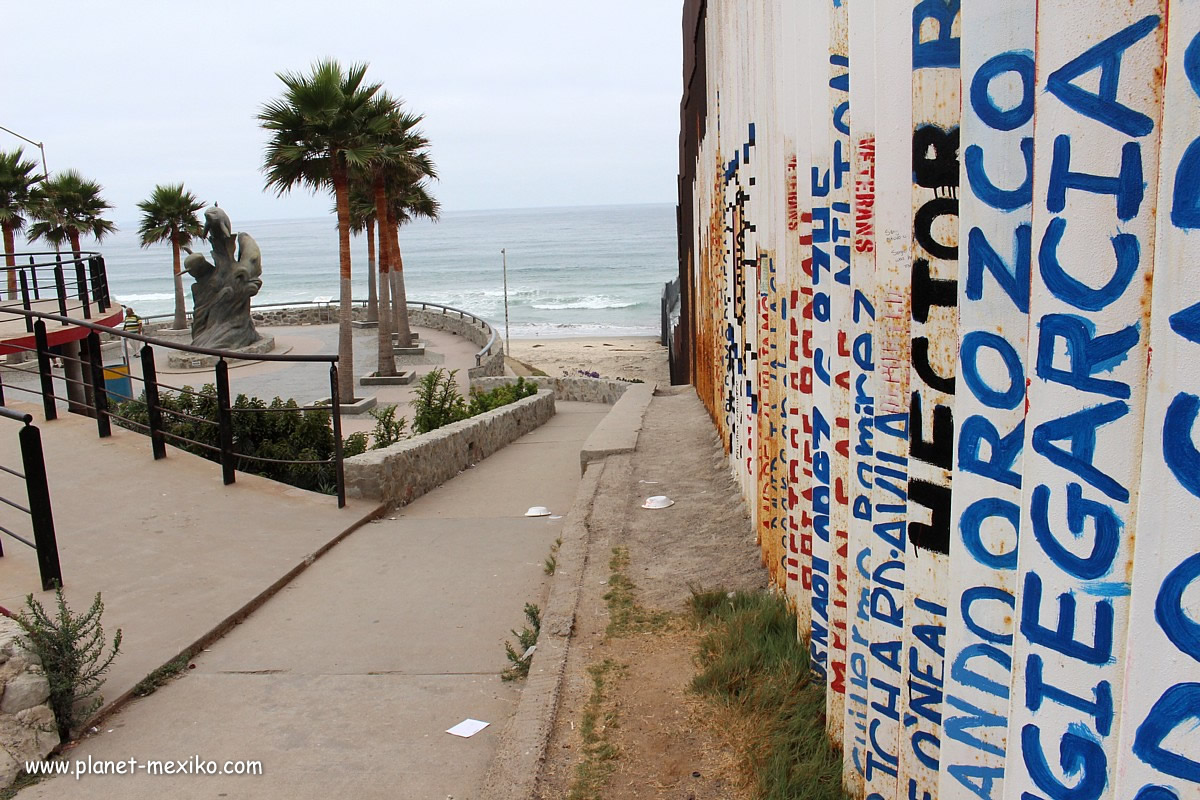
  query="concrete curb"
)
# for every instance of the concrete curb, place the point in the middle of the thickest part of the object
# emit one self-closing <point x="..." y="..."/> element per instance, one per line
<point x="517" y="764"/>
<point x="618" y="431"/>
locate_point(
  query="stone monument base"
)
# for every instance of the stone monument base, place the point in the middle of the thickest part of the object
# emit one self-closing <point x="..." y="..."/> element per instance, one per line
<point x="182" y="360"/>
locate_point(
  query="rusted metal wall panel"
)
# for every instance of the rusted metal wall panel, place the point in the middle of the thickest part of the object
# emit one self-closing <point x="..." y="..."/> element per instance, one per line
<point x="823" y="333"/>
<point x="836" y="235"/>
<point x="1090" y="308"/>
<point x="993" y="296"/>
<point x="935" y="40"/>
<point x="1159" y="740"/>
<point x="800" y="326"/>
<point x="889" y="496"/>
<point x="859" y="563"/>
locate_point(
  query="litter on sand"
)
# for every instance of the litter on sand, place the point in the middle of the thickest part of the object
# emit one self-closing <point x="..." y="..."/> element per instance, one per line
<point x="658" y="501"/>
<point x="467" y="728"/>
<point x="538" y="511"/>
<point x="556" y="516"/>
<point x="647" y="481"/>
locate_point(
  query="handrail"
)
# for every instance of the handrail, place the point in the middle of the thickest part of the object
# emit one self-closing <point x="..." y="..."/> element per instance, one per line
<point x="67" y="256"/>
<point x="487" y="348"/>
<point x="166" y="343"/>
<point x="8" y="413"/>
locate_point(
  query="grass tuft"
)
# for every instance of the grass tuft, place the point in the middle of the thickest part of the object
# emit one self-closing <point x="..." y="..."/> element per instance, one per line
<point x="753" y="666"/>
<point x="599" y="718"/>
<point x="149" y="684"/>
<point x="625" y="615"/>
<point x="551" y="562"/>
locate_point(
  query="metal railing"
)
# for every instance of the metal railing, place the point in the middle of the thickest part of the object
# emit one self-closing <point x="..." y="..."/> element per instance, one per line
<point x="96" y="403"/>
<point x="447" y="310"/>
<point x="77" y="282"/>
<point x="37" y="490"/>
<point x="332" y="304"/>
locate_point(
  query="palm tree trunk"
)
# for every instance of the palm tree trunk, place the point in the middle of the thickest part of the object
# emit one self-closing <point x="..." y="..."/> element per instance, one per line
<point x="372" y="300"/>
<point x="10" y="259"/>
<point x="399" y="295"/>
<point x="387" y="358"/>
<point x="78" y="396"/>
<point x="341" y="193"/>
<point x="180" y="309"/>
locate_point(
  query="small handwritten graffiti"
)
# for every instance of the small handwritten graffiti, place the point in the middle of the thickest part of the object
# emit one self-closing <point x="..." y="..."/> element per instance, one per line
<point x="856" y="737"/>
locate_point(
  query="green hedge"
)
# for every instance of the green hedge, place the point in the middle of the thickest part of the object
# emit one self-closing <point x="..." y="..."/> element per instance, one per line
<point x="278" y="430"/>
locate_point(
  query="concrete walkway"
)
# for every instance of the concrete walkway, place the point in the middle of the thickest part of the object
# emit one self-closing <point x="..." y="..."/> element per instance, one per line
<point x="344" y="682"/>
<point x="175" y="553"/>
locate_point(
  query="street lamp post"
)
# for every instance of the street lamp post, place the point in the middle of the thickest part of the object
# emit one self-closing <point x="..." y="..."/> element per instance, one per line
<point x="504" y="256"/>
<point x="38" y="145"/>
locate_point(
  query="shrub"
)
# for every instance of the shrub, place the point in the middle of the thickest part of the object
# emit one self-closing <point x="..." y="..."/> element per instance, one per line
<point x="71" y="648"/>
<point x="355" y="444"/>
<point x="388" y="429"/>
<point x="482" y="402"/>
<point x="438" y="401"/>
<point x="279" y="430"/>
<point x="526" y="638"/>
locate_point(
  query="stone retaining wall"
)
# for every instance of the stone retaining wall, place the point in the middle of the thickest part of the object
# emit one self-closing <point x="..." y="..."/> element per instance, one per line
<point x="491" y="364"/>
<point x="580" y="390"/>
<point x="27" y="727"/>
<point x="406" y="470"/>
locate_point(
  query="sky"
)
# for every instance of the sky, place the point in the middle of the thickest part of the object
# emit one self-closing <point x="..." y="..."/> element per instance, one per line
<point x="527" y="103"/>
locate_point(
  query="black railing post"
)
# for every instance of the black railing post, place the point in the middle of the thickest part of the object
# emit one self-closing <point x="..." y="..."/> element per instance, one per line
<point x="153" y="410"/>
<point x="225" y="422"/>
<point x="105" y="298"/>
<point x="37" y="292"/>
<point x="39" y="507"/>
<point x="60" y="286"/>
<point x="335" y="403"/>
<point x="99" y="395"/>
<point x="42" y="345"/>
<point x="81" y="288"/>
<point x="94" y="275"/>
<point x="25" y="300"/>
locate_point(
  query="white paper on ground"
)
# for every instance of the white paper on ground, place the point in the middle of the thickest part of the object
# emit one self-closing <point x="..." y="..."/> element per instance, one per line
<point x="468" y="728"/>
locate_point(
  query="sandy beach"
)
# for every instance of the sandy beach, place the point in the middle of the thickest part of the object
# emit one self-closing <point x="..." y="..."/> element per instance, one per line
<point x="611" y="356"/>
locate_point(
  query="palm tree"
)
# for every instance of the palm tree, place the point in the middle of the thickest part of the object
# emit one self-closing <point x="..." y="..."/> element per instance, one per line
<point x="362" y="220"/>
<point x="17" y="195"/>
<point x="410" y="201"/>
<point x="71" y="206"/>
<point x="399" y="160"/>
<point x="169" y="215"/>
<point x="324" y="124"/>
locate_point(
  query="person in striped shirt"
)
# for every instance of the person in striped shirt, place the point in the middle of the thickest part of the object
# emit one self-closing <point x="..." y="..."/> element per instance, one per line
<point x="133" y="324"/>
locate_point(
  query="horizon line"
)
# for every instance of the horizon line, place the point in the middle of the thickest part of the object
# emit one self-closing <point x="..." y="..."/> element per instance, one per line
<point x="126" y="223"/>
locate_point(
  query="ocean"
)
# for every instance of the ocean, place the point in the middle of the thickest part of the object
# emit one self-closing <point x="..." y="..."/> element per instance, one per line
<point x="583" y="271"/>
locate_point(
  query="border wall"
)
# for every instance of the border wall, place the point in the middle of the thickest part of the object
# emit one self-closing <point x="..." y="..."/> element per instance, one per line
<point x="940" y="293"/>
